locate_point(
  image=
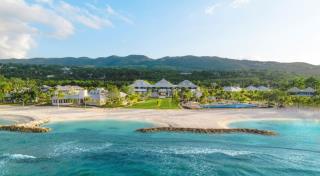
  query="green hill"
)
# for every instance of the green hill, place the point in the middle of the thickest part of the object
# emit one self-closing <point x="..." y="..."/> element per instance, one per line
<point x="182" y="63"/>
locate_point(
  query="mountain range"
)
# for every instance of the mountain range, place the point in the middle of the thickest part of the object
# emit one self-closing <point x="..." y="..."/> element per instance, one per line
<point x="181" y="63"/>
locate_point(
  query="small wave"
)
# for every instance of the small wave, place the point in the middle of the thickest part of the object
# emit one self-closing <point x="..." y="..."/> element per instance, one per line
<point x="199" y="151"/>
<point x="5" y="158"/>
<point x="72" y="147"/>
<point x="2" y="167"/>
<point x="18" y="156"/>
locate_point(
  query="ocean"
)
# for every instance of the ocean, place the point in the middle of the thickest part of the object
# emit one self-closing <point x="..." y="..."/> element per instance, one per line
<point x="113" y="148"/>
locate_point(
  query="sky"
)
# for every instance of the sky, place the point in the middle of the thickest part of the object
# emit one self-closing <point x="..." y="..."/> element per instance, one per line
<point x="265" y="30"/>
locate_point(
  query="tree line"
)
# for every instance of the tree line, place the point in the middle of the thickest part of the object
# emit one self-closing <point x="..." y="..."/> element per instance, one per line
<point x="23" y="83"/>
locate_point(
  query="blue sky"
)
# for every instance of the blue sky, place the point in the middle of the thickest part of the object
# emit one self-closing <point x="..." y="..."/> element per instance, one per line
<point x="279" y="30"/>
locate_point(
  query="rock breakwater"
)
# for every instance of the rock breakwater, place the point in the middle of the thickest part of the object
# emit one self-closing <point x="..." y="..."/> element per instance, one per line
<point x="29" y="127"/>
<point x="208" y="130"/>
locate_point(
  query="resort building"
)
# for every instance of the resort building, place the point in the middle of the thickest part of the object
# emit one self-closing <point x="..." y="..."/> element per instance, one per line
<point x="7" y="98"/>
<point x="294" y="90"/>
<point x="68" y="95"/>
<point x="45" y="88"/>
<point x="162" y="88"/>
<point x="97" y="97"/>
<point x="75" y="95"/>
<point x="259" y="88"/>
<point x="50" y="76"/>
<point x="232" y="89"/>
<point x="123" y="95"/>
<point x="141" y="86"/>
<point x="263" y="88"/>
<point x="302" y="92"/>
<point x="251" y="88"/>
<point x="186" y="84"/>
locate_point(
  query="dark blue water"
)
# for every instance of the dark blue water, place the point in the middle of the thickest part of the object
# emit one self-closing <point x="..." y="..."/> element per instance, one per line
<point x="113" y="148"/>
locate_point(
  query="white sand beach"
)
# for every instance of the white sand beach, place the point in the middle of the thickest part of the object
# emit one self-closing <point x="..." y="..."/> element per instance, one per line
<point x="214" y="118"/>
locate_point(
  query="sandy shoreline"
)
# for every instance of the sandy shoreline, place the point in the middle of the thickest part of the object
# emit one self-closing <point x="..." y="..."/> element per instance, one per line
<point x="218" y="118"/>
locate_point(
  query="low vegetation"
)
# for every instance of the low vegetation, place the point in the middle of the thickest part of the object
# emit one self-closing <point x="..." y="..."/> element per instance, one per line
<point x="166" y="103"/>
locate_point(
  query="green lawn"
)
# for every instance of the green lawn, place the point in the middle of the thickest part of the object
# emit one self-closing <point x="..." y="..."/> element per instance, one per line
<point x="166" y="103"/>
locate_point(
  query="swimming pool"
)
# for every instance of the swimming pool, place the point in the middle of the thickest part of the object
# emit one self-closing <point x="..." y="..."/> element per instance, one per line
<point x="235" y="105"/>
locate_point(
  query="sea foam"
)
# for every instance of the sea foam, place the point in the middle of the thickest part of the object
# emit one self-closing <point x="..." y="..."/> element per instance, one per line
<point x="19" y="156"/>
<point x="73" y="147"/>
<point x="5" y="158"/>
<point x="16" y="156"/>
<point x="202" y="151"/>
<point x="2" y="167"/>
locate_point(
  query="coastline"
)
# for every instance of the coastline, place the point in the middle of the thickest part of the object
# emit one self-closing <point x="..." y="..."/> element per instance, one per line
<point x="209" y="118"/>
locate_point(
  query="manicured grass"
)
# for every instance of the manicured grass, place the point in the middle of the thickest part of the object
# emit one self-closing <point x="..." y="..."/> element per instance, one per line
<point x="166" y="103"/>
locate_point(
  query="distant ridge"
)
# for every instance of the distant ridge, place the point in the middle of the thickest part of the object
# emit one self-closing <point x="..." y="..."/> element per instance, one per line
<point x="183" y="63"/>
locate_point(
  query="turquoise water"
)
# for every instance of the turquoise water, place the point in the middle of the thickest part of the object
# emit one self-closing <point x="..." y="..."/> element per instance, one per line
<point x="113" y="148"/>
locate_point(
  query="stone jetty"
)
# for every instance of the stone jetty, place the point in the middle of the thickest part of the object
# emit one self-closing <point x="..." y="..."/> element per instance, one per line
<point x="208" y="130"/>
<point x="29" y="127"/>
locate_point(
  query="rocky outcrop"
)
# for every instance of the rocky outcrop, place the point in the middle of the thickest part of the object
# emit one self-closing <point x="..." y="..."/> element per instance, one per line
<point x="24" y="129"/>
<point x="208" y="130"/>
<point x="30" y="127"/>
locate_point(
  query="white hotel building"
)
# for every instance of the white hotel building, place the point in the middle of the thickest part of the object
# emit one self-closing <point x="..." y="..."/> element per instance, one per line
<point x="162" y="88"/>
<point x="75" y="95"/>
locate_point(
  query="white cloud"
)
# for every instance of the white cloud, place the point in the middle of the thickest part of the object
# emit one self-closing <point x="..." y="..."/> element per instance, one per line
<point x="15" y="39"/>
<point x="112" y="13"/>
<point x="210" y="9"/>
<point x="20" y="21"/>
<point x="83" y="16"/>
<point x="17" y="19"/>
<point x="118" y="15"/>
<point x="45" y="1"/>
<point x="239" y="3"/>
<point x="21" y="12"/>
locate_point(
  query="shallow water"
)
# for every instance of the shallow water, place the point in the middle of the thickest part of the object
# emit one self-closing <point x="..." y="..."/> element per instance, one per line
<point x="6" y="122"/>
<point x="10" y="120"/>
<point x="113" y="148"/>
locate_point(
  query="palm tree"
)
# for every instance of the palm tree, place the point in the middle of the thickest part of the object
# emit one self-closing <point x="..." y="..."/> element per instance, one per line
<point x="187" y="95"/>
<point x="175" y="96"/>
<point x="26" y="97"/>
<point x="4" y="87"/>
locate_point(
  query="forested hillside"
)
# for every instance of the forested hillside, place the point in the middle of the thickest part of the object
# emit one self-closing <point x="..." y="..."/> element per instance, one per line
<point x="183" y="63"/>
<point x="52" y="74"/>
